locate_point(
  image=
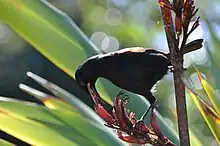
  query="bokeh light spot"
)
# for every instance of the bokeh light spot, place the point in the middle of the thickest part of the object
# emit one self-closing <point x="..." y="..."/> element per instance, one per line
<point x="113" y="17"/>
<point x="110" y="44"/>
<point x="97" y="39"/>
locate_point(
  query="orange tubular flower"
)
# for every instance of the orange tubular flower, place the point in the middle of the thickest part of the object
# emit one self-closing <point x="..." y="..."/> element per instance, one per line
<point x="166" y="8"/>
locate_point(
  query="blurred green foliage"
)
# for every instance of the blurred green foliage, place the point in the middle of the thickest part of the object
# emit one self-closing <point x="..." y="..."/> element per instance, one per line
<point x="114" y="24"/>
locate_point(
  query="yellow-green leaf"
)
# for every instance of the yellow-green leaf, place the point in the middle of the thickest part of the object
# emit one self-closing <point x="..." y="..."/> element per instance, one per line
<point x="210" y="92"/>
<point x="5" y="143"/>
<point x="207" y="113"/>
<point x="31" y="16"/>
<point x="38" y="125"/>
<point x="48" y="100"/>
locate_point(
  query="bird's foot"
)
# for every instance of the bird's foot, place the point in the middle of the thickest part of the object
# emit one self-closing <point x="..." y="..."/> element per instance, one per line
<point x="171" y="68"/>
<point x="123" y="96"/>
<point x="140" y="123"/>
<point x="152" y="106"/>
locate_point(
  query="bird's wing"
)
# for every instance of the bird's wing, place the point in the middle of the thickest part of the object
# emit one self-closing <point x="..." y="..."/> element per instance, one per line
<point x="133" y="49"/>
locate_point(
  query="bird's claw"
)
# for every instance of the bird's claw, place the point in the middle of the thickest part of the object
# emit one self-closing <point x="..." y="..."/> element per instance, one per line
<point x="171" y="68"/>
<point x="125" y="98"/>
<point x="138" y="124"/>
<point x="152" y="106"/>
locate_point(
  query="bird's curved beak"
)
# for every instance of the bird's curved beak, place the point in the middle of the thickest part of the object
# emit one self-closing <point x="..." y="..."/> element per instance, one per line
<point x="97" y="98"/>
<point x="91" y="89"/>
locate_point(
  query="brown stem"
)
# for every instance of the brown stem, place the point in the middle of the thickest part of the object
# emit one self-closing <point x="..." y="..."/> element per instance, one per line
<point x="177" y="62"/>
<point x="181" y="103"/>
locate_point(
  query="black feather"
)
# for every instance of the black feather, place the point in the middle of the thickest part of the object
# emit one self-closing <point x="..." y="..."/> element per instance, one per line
<point x="133" y="69"/>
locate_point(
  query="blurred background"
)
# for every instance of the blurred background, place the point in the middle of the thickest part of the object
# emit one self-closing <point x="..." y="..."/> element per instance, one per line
<point x="112" y="25"/>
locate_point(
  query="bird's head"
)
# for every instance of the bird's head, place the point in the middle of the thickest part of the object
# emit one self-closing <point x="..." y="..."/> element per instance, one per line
<point x="86" y="78"/>
<point x="81" y="79"/>
<point x="86" y="74"/>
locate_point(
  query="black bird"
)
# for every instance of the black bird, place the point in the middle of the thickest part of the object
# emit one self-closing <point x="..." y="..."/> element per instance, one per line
<point x="134" y="69"/>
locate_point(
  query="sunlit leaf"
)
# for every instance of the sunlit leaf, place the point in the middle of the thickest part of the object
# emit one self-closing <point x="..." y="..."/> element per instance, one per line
<point x="5" y="143"/>
<point x="26" y="129"/>
<point x="40" y="126"/>
<point x="194" y="140"/>
<point x="52" y="26"/>
<point x="210" y="92"/>
<point x="48" y="100"/>
<point x="65" y="96"/>
<point x="210" y="116"/>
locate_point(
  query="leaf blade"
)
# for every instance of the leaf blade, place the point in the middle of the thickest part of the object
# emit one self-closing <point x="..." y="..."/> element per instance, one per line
<point x="202" y="106"/>
<point x="210" y="92"/>
<point x="16" y="121"/>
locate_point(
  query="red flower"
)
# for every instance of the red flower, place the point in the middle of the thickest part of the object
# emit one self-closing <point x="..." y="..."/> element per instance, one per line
<point x="166" y="8"/>
<point x="184" y="11"/>
<point x="127" y="127"/>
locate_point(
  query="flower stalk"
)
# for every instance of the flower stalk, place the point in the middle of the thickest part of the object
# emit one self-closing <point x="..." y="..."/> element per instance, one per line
<point x="177" y="17"/>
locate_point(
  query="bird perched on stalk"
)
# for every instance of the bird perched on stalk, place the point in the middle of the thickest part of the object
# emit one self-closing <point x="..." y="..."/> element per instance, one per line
<point x="134" y="69"/>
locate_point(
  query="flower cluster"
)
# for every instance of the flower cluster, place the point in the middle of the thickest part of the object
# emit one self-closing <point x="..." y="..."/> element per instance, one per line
<point x="127" y="127"/>
<point x="177" y="16"/>
<point x="184" y="11"/>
